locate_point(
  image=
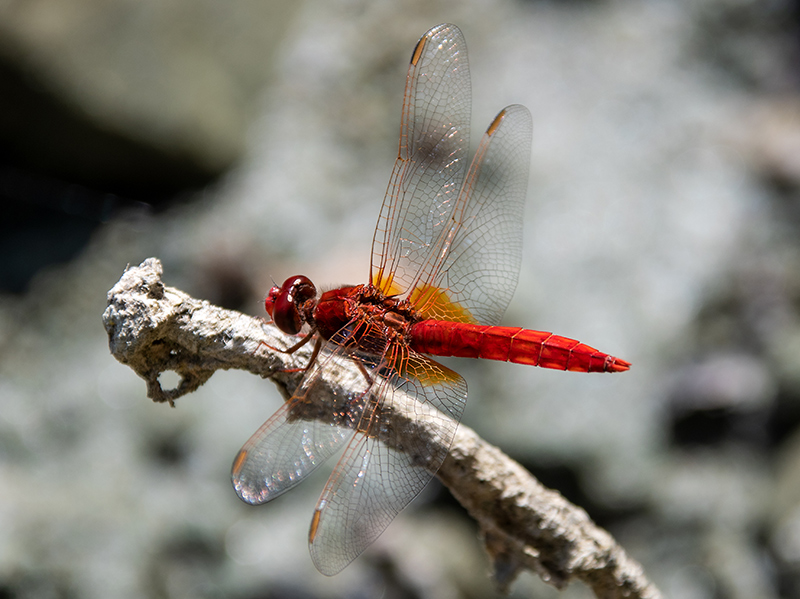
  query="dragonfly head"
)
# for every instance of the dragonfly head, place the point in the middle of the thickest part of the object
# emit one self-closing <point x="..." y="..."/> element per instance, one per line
<point x="272" y="297"/>
<point x="283" y="303"/>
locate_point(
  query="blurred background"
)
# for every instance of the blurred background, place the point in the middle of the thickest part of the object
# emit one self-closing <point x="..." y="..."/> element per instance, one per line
<point x="245" y="141"/>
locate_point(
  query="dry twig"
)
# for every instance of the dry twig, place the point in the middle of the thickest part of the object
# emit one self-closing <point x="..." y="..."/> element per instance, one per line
<point x="153" y="328"/>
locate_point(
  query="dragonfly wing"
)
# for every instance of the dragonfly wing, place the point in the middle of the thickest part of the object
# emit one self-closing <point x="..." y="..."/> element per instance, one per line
<point x="448" y="239"/>
<point x="431" y="162"/>
<point x="473" y="265"/>
<point x="298" y="437"/>
<point x="389" y="460"/>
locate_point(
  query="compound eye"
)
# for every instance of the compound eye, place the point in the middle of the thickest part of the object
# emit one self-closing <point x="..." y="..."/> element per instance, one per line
<point x="287" y="300"/>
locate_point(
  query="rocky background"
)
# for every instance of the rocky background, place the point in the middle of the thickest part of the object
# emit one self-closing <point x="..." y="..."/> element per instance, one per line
<point x="245" y="141"/>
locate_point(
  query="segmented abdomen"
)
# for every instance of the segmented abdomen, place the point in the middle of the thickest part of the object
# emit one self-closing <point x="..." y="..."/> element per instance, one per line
<point x="510" y="344"/>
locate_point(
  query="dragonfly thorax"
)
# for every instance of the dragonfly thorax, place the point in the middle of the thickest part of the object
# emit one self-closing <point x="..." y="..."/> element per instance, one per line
<point x="365" y="310"/>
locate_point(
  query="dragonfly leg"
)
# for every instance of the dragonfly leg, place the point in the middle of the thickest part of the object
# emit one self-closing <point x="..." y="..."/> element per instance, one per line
<point x="291" y="349"/>
<point x="367" y="420"/>
<point x="294" y="348"/>
<point x="364" y="372"/>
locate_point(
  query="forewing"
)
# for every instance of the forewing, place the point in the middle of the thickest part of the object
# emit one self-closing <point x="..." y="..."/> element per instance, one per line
<point x="299" y="436"/>
<point x="474" y="261"/>
<point x="431" y="162"/>
<point x="389" y="460"/>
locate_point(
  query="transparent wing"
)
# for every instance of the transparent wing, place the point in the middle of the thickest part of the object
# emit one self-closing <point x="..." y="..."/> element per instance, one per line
<point x="452" y="243"/>
<point x="431" y="162"/>
<point x="299" y="436"/>
<point x="472" y="264"/>
<point x="390" y="458"/>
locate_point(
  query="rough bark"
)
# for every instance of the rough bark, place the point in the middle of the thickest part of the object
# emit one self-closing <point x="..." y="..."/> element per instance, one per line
<point x="525" y="526"/>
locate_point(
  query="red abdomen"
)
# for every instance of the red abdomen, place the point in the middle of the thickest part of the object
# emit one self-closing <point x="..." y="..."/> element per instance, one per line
<point x="510" y="344"/>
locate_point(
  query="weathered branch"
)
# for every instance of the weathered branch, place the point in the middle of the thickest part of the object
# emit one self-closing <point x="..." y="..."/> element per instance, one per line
<point x="153" y="329"/>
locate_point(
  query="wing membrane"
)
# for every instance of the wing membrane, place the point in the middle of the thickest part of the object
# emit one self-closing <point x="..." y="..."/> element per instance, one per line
<point x="300" y="436"/>
<point x="389" y="460"/>
<point x="452" y="243"/>
<point x="474" y="261"/>
<point x="431" y="162"/>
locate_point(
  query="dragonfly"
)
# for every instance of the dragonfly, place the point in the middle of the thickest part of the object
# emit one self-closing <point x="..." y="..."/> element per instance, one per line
<point x="446" y="254"/>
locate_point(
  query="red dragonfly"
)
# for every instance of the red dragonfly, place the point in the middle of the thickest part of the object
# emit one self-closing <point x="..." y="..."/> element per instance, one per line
<point x="446" y="254"/>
